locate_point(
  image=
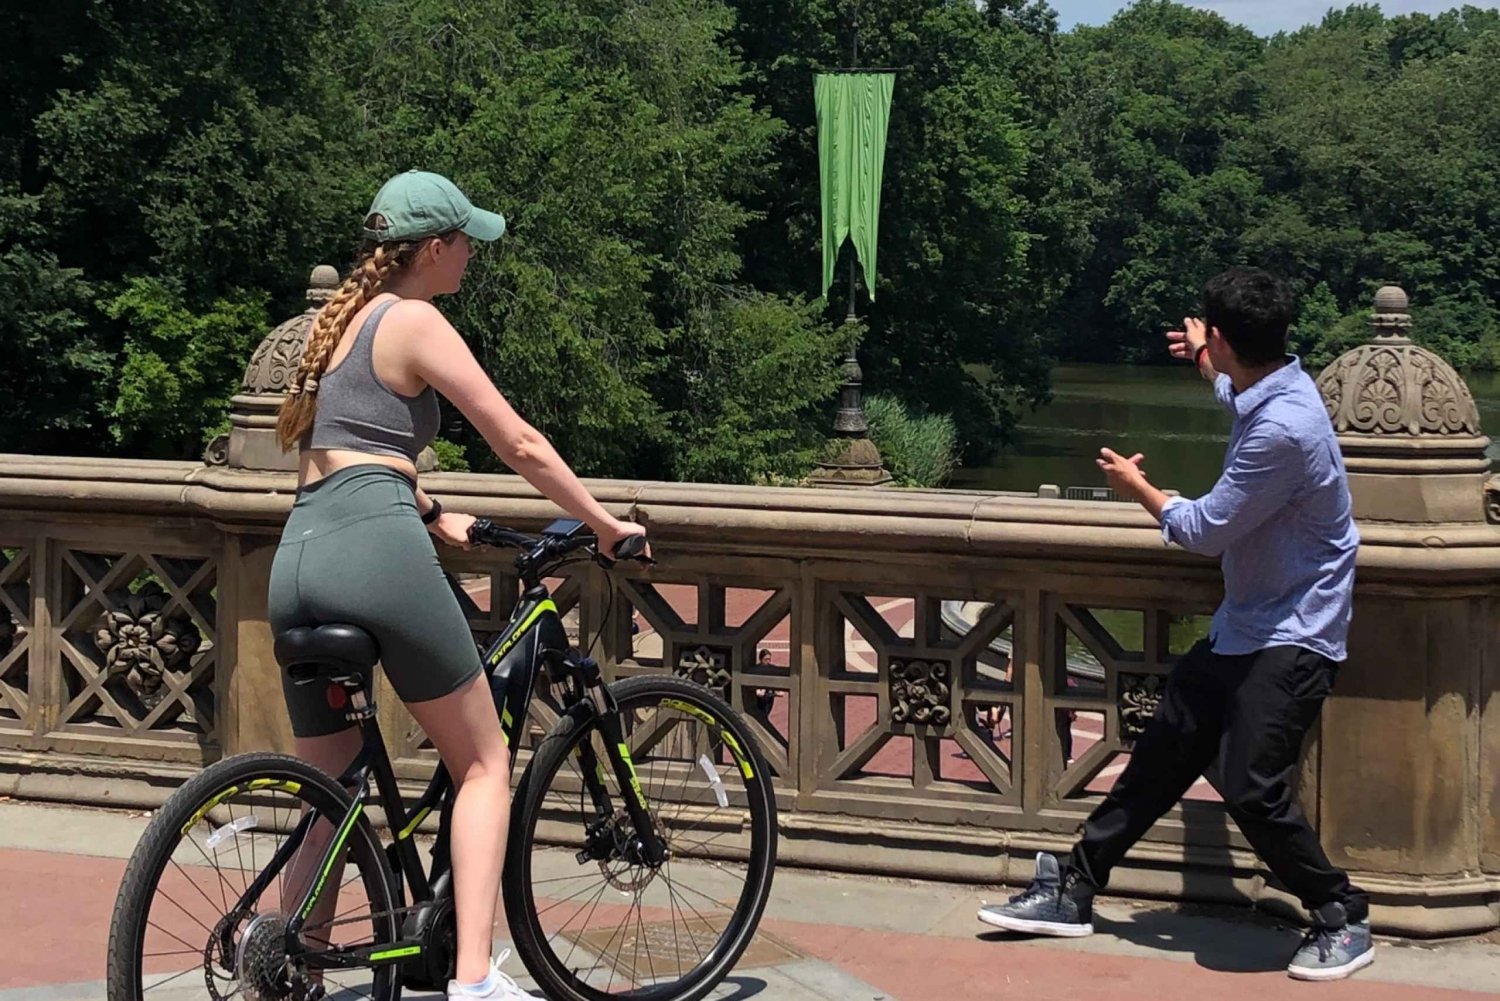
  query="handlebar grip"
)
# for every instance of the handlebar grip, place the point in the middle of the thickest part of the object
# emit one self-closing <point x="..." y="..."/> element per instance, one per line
<point x="632" y="547"/>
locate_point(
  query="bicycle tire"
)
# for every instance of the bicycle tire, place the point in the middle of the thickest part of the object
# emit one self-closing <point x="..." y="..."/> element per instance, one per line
<point x="527" y="932"/>
<point x="191" y="805"/>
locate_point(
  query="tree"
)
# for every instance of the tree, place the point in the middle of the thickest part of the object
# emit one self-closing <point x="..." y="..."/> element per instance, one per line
<point x="180" y="366"/>
<point x="1158" y="103"/>
<point x="157" y="140"/>
<point x="614" y="139"/>
<point x="970" y="259"/>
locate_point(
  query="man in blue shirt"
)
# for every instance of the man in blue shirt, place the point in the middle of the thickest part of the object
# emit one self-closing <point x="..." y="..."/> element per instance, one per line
<point x="1279" y="519"/>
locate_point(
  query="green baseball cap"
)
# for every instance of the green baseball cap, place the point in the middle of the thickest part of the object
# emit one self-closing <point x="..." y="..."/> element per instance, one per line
<point x="419" y="204"/>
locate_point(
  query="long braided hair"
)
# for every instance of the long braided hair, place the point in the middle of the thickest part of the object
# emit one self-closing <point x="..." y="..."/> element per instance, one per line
<point x="374" y="265"/>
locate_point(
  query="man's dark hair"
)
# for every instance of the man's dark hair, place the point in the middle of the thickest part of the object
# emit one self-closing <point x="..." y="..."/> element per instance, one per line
<point x="1252" y="309"/>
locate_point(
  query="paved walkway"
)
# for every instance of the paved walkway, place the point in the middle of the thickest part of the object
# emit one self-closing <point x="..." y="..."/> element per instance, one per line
<point x="825" y="938"/>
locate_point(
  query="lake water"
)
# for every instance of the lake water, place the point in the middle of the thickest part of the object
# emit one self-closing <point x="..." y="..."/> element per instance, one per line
<point x="1165" y="412"/>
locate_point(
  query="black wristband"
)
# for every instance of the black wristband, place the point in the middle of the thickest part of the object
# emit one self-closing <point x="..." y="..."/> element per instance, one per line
<point x="1198" y="356"/>
<point x="433" y="513"/>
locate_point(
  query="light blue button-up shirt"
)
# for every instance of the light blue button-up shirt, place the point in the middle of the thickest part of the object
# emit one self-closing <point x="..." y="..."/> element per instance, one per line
<point x="1279" y="518"/>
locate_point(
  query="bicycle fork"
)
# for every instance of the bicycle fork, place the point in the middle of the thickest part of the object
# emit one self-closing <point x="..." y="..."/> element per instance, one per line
<point x="606" y="714"/>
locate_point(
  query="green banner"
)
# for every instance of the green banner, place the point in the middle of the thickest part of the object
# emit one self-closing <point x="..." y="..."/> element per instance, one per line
<point x="853" y="112"/>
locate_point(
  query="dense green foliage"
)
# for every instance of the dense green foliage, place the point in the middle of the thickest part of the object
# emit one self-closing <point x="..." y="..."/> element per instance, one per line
<point x="1344" y="156"/>
<point x="168" y="177"/>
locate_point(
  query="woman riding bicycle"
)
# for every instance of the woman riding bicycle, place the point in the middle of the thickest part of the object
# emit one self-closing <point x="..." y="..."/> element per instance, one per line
<point x="358" y="546"/>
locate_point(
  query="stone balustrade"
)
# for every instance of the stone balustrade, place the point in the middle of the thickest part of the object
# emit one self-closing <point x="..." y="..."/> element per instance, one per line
<point x="134" y="648"/>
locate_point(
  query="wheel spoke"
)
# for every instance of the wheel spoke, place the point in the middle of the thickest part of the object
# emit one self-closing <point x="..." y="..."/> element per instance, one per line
<point x="708" y="841"/>
<point x="232" y="790"/>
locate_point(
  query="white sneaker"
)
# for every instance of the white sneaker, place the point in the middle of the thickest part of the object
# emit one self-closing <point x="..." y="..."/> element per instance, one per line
<point x="501" y="986"/>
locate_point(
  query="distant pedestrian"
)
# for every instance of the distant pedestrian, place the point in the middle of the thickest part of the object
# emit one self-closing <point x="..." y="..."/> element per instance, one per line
<point x="1280" y="519"/>
<point x="765" y="698"/>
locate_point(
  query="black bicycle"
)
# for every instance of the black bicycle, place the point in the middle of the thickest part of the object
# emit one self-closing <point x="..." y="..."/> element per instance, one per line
<point x="641" y="851"/>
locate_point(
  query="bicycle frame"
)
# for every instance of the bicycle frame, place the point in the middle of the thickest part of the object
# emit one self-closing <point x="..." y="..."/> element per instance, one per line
<point x="533" y="639"/>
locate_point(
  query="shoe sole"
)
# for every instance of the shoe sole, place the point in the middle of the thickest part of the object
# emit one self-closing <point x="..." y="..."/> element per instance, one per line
<point x="1359" y="962"/>
<point x="1050" y="928"/>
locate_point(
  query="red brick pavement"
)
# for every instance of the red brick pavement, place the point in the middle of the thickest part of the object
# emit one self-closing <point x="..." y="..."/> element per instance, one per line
<point x="55" y="911"/>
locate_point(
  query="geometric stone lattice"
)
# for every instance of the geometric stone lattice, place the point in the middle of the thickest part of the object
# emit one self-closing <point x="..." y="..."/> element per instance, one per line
<point x="138" y="634"/>
<point x="908" y="683"/>
<point x="15" y="635"/>
<point x="1109" y="668"/>
<point x="710" y="633"/>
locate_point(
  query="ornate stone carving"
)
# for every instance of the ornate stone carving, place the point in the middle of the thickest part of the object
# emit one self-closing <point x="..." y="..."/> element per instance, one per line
<point x="1140" y="694"/>
<point x="217" y="451"/>
<point x="274" y="361"/>
<point x="921" y="692"/>
<point x="141" y="642"/>
<point x="1393" y="387"/>
<point x="707" y="666"/>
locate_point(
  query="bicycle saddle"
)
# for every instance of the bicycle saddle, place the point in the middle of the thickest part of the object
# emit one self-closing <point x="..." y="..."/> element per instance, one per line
<point x="332" y="653"/>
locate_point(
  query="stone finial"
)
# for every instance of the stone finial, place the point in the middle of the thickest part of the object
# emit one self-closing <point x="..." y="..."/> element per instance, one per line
<point x="1391" y="386"/>
<point x="1391" y="318"/>
<point x="276" y="359"/>
<point x="323" y="284"/>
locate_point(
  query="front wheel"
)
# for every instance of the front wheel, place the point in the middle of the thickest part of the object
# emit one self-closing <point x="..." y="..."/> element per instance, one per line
<point x="591" y="917"/>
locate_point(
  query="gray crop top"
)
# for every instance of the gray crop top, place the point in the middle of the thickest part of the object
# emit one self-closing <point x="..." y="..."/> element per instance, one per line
<point x="357" y="411"/>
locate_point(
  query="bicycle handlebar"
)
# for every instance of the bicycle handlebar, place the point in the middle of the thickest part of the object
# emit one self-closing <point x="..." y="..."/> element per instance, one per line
<point x="486" y="533"/>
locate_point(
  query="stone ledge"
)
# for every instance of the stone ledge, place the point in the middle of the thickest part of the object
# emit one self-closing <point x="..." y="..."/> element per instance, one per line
<point x="798" y="521"/>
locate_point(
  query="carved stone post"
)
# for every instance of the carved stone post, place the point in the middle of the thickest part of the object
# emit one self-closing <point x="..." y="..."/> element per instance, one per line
<point x="852" y="460"/>
<point x="1407" y="791"/>
<point x="251" y="442"/>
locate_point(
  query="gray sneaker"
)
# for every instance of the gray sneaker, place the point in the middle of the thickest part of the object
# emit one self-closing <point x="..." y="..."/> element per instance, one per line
<point x="1046" y="907"/>
<point x="1333" y="948"/>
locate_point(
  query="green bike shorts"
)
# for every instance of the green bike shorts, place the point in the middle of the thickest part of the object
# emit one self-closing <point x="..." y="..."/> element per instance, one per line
<point x="355" y="552"/>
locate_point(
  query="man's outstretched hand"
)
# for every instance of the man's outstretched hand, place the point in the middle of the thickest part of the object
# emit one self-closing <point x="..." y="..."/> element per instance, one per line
<point x="1185" y="343"/>
<point x="1125" y="476"/>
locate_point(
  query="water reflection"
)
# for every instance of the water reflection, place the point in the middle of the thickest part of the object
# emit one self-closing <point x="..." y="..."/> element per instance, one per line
<point x="1164" y="411"/>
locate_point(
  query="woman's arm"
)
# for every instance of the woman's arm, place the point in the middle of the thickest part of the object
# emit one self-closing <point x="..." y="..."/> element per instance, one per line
<point x="439" y="357"/>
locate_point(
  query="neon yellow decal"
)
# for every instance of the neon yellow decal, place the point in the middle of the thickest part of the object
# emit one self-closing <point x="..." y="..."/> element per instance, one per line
<point x="338" y="847"/>
<point x="406" y="831"/>
<point x="286" y="785"/>
<point x="515" y="635"/>
<point x="410" y="950"/>
<point x="635" y="782"/>
<point x="739" y="754"/>
<point x="203" y="810"/>
<point x="691" y="710"/>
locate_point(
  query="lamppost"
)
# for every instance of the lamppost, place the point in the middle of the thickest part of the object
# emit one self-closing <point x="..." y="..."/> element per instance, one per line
<point x="854" y="106"/>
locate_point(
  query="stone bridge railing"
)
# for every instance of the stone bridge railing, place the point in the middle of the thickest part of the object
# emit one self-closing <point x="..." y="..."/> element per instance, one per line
<point x="134" y="648"/>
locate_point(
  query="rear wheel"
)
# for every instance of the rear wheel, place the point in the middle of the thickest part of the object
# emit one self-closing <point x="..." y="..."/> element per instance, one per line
<point x="590" y="917"/>
<point x="181" y="928"/>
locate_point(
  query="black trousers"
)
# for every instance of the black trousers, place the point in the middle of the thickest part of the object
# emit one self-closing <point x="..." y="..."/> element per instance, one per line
<point x="1251" y="712"/>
